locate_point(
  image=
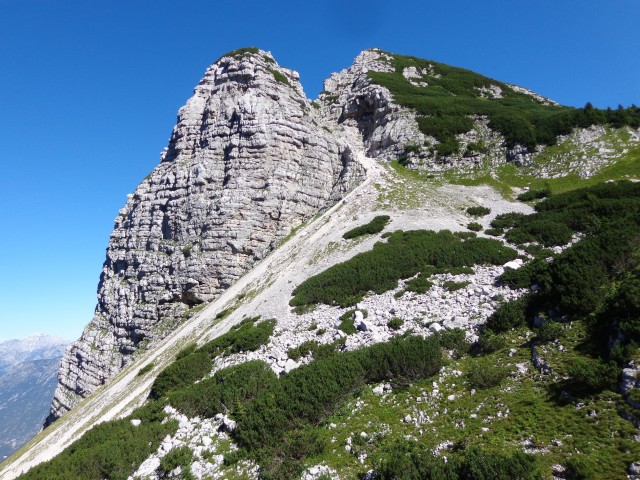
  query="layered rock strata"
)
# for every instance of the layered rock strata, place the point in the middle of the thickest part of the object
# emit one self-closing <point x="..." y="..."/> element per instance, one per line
<point x="248" y="161"/>
<point x="350" y="97"/>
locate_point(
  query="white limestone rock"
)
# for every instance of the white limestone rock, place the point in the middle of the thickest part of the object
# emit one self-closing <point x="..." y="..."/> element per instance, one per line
<point x="246" y="163"/>
<point x="513" y="264"/>
<point x="350" y="97"/>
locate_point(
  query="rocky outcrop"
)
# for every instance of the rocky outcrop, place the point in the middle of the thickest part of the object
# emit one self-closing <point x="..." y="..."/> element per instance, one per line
<point x="350" y="97"/>
<point x="247" y="162"/>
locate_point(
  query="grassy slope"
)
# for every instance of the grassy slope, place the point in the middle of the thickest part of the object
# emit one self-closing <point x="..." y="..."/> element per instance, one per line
<point x="519" y="409"/>
<point x="444" y="109"/>
<point x="625" y="165"/>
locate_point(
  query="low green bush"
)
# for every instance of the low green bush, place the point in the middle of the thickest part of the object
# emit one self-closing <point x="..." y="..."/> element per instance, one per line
<point x="526" y="275"/>
<point x="548" y="232"/>
<point x="489" y="342"/>
<point x="579" y="468"/>
<point x="305" y="348"/>
<point x="275" y="425"/>
<point x="530" y="195"/>
<point x="182" y="372"/>
<point x="188" y="350"/>
<point x="452" y="286"/>
<point x="588" y="376"/>
<point x="110" y="450"/>
<point x="395" y="323"/>
<point x="420" y="284"/>
<point x="346" y="323"/>
<point x="483" y="373"/>
<point x="478" y="211"/>
<point x="446" y="107"/>
<point x="508" y="315"/>
<point x="549" y="331"/>
<point x="146" y="369"/>
<point x="374" y="226"/>
<point x="227" y="390"/>
<point x="402" y="256"/>
<point x="413" y="461"/>
<point x="193" y="364"/>
<point x="455" y="340"/>
<point x="465" y="235"/>
<point x="494" y="232"/>
<point x="279" y="77"/>
<point x="474" y="227"/>
<point x="508" y="220"/>
<point x="244" y="337"/>
<point x="178" y="457"/>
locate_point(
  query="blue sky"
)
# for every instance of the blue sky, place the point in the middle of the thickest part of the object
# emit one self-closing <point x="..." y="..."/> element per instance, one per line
<point x="89" y="92"/>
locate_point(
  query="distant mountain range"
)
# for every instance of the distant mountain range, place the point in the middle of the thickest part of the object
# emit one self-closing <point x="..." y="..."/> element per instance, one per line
<point x="27" y="380"/>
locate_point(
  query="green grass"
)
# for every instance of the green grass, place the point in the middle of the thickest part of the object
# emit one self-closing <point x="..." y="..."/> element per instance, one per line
<point x="280" y="77"/>
<point x="606" y="441"/>
<point x="625" y="164"/>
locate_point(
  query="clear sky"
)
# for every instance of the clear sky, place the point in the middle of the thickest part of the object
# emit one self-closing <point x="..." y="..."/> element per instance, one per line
<point x="89" y="92"/>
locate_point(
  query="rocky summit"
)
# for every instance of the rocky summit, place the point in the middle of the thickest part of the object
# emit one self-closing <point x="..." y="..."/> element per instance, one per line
<point x="423" y="273"/>
<point x="248" y="161"/>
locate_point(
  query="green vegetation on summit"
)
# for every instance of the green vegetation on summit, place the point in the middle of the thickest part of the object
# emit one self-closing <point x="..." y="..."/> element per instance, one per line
<point x="454" y="95"/>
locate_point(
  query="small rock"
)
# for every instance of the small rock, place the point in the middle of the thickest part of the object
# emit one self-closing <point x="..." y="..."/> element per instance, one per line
<point x="513" y="264"/>
<point x="290" y="365"/>
<point x="136" y="422"/>
<point x="435" y="327"/>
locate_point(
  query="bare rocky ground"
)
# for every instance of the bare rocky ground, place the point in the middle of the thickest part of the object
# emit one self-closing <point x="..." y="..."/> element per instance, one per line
<point x="266" y="291"/>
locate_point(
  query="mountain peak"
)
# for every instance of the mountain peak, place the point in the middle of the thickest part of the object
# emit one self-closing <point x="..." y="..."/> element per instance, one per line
<point x="248" y="160"/>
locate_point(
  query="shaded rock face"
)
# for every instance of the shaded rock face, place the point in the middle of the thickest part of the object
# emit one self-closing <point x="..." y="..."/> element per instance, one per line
<point x="351" y="98"/>
<point x="247" y="161"/>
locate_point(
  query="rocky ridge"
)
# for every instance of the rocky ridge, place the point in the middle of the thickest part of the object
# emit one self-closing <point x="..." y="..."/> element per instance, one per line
<point x="250" y="159"/>
<point x="351" y="99"/>
<point x="246" y="163"/>
<point x="266" y="289"/>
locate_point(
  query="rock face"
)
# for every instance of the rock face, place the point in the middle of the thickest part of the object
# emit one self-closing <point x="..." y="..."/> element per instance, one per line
<point x="248" y="161"/>
<point x="350" y="97"/>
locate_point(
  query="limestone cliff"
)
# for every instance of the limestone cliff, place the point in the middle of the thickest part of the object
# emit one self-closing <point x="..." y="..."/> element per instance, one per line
<point x="247" y="161"/>
<point x="350" y="97"/>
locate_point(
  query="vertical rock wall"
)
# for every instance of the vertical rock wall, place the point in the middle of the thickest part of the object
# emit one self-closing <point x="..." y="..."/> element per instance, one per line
<point x="247" y="161"/>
